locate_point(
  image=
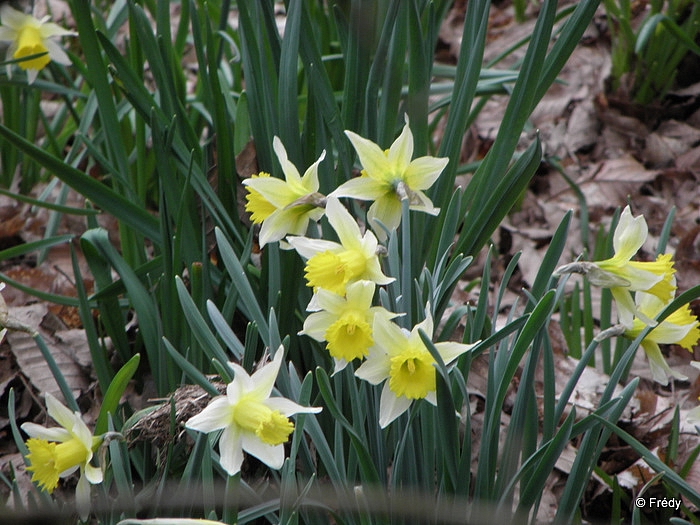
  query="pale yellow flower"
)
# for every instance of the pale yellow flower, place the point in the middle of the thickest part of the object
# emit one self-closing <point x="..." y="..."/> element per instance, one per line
<point x="389" y="177"/>
<point x="681" y="328"/>
<point x="400" y="359"/>
<point x="622" y="275"/>
<point x="251" y="420"/>
<point x="58" y="452"/>
<point x="30" y="36"/>
<point x="345" y="323"/>
<point x="331" y="265"/>
<point x="284" y="206"/>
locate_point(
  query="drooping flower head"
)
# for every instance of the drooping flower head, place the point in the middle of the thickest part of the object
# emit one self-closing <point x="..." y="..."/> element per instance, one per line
<point x="622" y="275"/>
<point x="388" y="177"/>
<point x="400" y="359"/>
<point x="251" y="420"/>
<point x="58" y="452"/>
<point x="345" y="323"/>
<point x="30" y="36"/>
<point x="681" y="328"/>
<point x="331" y="265"/>
<point x="284" y="206"/>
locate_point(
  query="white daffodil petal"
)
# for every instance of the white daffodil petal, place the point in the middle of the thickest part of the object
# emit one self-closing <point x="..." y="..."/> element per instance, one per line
<point x="271" y="455"/>
<point x="49" y="434"/>
<point x="401" y="150"/>
<point x="287" y="407"/>
<point x="361" y="188"/>
<point x="389" y="337"/>
<point x="625" y="306"/>
<point x="93" y="474"/>
<point x="7" y="35"/>
<point x="264" y="379"/>
<point x="231" y="450"/>
<point x="630" y="234"/>
<point x="424" y="204"/>
<point x="669" y="333"/>
<point x="338" y="365"/>
<point x="387" y="211"/>
<point x="449" y="351"/>
<point x="59" y="413"/>
<point x="390" y="406"/>
<point x="422" y="173"/>
<point x="49" y="29"/>
<point x="275" y="191"/>
<point x="215" y="416"/>
<point x="291" y="173"/>
<point x="12" y="18"/>
<point x="343" y="223"/>
<point x="82" y="498"/>
<point x="307" y="248"/>
<point x="375" y="368"/>
<point x="56" y="53"/>
<point x="316" y="324"/>
<point x="660" y="371"/>
<point x="32" y="74"/>
<point x="310" y="178"/>
<point x="371" y="156"/>
<point x="82" y="432"/>
<point x="359" y="294"/>
<point x="332" y="302"/>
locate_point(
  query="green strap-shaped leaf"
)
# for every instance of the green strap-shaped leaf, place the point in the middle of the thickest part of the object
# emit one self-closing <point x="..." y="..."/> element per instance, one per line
<point x="114" y="393"/>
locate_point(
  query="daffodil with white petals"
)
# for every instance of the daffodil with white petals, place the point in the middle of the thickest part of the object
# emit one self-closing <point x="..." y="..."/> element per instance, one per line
<point x="681" y="328"/>
<point x="284" y="206"/>
<point x="332" y="266"/>
<point x="251" y="420"/>
<point x="622" y="275"/>
<point x="30" y="36"/>
<point x="400" y="359"/>
<point x="58" y="452"/>
<point x="345" y="323"/>
<point x="389" y="177"/>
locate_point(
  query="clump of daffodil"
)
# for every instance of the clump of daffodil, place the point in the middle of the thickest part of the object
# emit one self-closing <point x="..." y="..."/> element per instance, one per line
<point x="681" y="328"/>
<point x="332" y="266"/>
<point x="400" y="359"/>
<point x="251" y="420"/>
<point x="284" y="206"/>
<point x="345" y="323"/>
<point x="622" y="275"/>
<point x="30" y="36"/>
<point x="58" y="452"/>
<point x="389" y="177"/>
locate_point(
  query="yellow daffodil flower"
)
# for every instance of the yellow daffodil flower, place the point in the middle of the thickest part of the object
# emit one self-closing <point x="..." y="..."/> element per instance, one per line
<point x="345" y="323"/>
<point x="284" y="206"/>
<point x="251" y="420"/>
<point x="388" y="177"/>
<point x="332" y="266"/>
<point x="30" y="36"/>
<point x="622" y="275"/>
<point x="58" y="452"/>
<point x="400" y="360"/>
<point x="681" y="328"/>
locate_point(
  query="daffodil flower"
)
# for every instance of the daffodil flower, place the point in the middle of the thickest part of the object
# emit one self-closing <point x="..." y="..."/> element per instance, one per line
<point x="332" y="266"/>
<point x="30" y="36"/>
<point x="622" y="275"/>
<point x="389" y="177"/>
<point x="58" y="452"/>
<point x="251" y="420"/>
<point x="681" y="328"/>
<point x="345" y="323"/>
<point x="400" y="359"/>
<point x="284" y="206"/>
